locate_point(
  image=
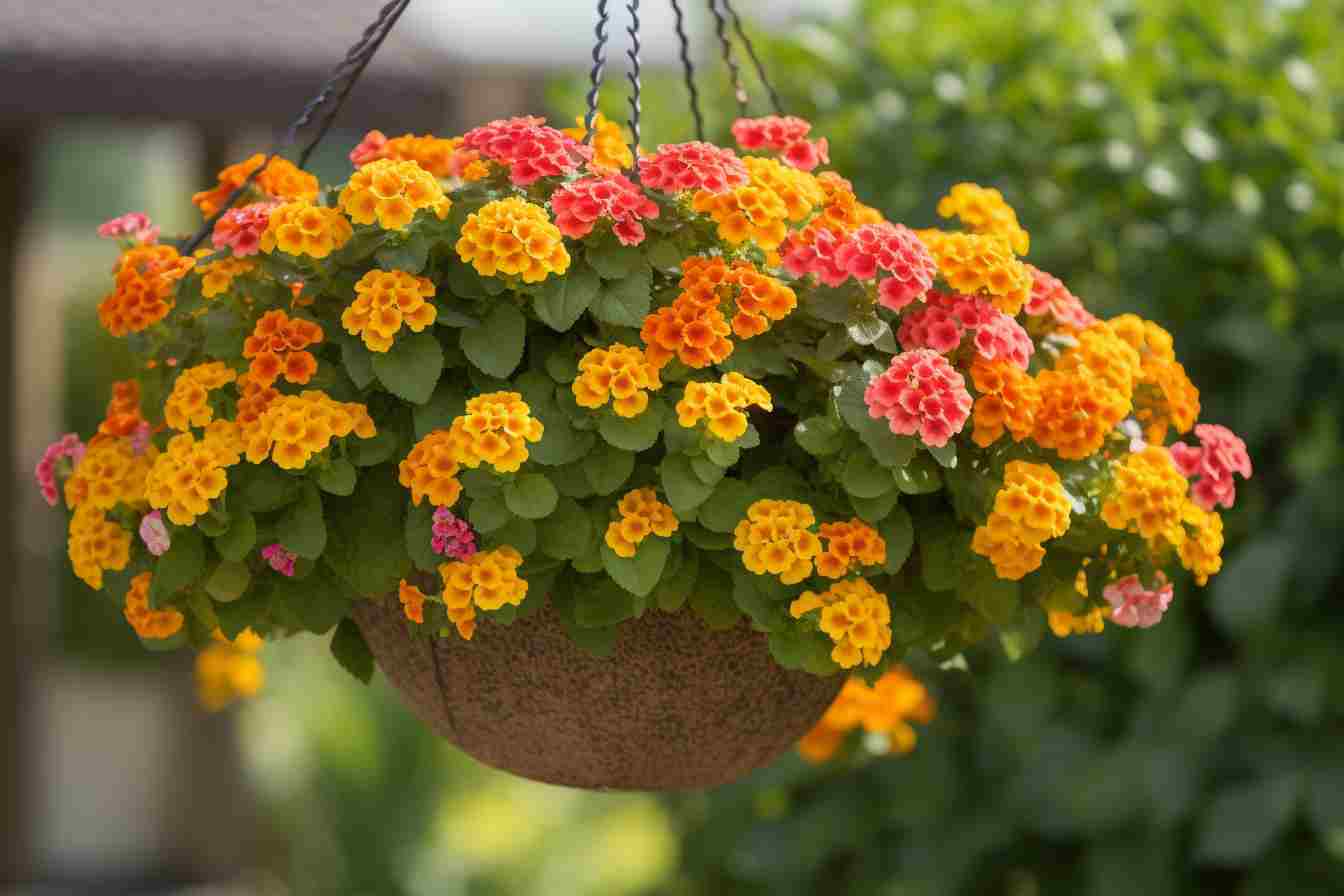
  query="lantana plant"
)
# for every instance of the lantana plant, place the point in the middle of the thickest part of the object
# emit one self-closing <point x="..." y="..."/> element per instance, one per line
<point x="528" y="366"/>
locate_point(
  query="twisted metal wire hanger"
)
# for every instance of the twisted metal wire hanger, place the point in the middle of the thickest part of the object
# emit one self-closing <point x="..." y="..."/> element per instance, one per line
<point x="755" y="60"/>
<point x="688" y="69"/>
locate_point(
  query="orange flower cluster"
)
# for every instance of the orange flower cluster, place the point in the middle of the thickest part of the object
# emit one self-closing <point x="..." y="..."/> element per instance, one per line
<point x="280" y="180"/>
<point x="253" y="400"/>
<point x="229" y="670"/>
<point x="855" y="616"/>
<point x="109" y="474"/>
<point x="146" y="622"/>
<point x="759" y="298"/>
<point x="641" y="514"/>
<point x="441" y="157"/>
<point x="974" y="262"/>
<point x="390" y="192"/>
<point x="430" y="470"/>
<point x="1029" y="509"/>
<point x="495" y="430"/>
<point x="295" y="427"/>
<point x="143" y="286"/>
<point x="384" y="300"/>
<point x="687" y="329"/>
<point x="1108" y="357"/>
<point x="886" y="707"/>
<point x="1079" y="410"/>
<point x="1149" y="497"/>
<point x="1009" y="400"/>
<point x="618" y="373"/>
<point x="1163" y="393"/>
<point x="96" y="544"/>
<point x="515" y="237"/>
<point x="188" y="404"/>
<point x="611" y="154"/>
<point x="983" y="210"/>
<point x="849" y="546"/>
<point x="761" y="209"/>
<point x="412" y="601"/>
<point x="776" y="539"/>
<point x="217" y="276"/>
<point x="190" y="473"/>
<point x="301" y="228"/>
<point x="278" y="347"/>
<point x="721" y="404"/>
<point x="1201" y="548"/>
<point x="841" y="210"/>
<point x="123" y="416"/>
<point x="487" y="580"/>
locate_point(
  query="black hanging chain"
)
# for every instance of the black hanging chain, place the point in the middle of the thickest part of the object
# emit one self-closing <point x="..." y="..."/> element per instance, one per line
<point x="726" y="45"/>
<point x="755" y="60"/>
<point x="633" y="76"/>
<point x="342" y="79"/>
<point x="688" y="69"/>
<point x="599" y="66"/>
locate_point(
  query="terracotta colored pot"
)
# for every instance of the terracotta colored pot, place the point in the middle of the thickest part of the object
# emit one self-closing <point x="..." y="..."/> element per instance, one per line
<point x="675" y="707"/>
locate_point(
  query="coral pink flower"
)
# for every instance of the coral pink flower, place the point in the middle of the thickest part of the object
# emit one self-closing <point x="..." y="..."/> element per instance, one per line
<point x="241" y="228"/>
<point x="1221" y="454"/>
<point x="67" y="446"/>
<point x="1134" y="606"/>
<point x="786" y="135"/>
<point x="678" y="167"/>
<point x="372" y="148"/>
<point x="528" y="147"/>
<point x="154" y="533"/>
<point x="453" y="536"/>
<point x="892" y="248"/>
<point x="1050" y="296"/>
<point x="817" y="258"/>
<point x="578" y="206"/>
<point x="920" y="393"/>
<point x="281" y="560"/>
<point x="135" y="225"/>
<point x="947" y="317"/>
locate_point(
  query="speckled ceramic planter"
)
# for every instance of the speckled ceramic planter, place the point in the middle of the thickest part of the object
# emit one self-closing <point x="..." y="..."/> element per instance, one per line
<point x="676" y="706"/>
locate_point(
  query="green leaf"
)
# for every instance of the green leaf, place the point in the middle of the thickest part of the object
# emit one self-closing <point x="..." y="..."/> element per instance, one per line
<point x="520" y="534"/>
<point x="676" y="586"/>
<point x="496" y="346"/>
<point x="867" y="329"/>
<point x="411" y="367"/>
<point x="316" y="603"/>
<point x="722" y="453"/>
<point x="531" y="496"/>
<point x="663" y="253"/>
<point x="625" y="302"/>
<point x="943" y="549"/>
<point x="1021" y="636"/>
<point x="352" y="651"/>
<point x="614" y="261"/>
<point x="367" y="534"/>
<point x="633" y="433"/>
<point x="875" y="510"/>
<point x="1242" y="821"/>
<point x="237" y="542"/>
<point x="179" y="567"/>
<point x="229" y="580"/>
<point x="945" y="455"/>
<point x="608" y="468"/>
<point x="568" y="532"/>
<point x="753" y="596"/>
<point x="707" y="470"/>
<point x="600" y="642"/>
<point x="303" y="530"/>
<point x="213" y="523"/>
<point x="819" y="436"/>
<point x="727" y="506"/>
<point x="863" y="477"/>
<point x="409" y="255"/>
<point x="898" y="531"/>
<point x="337" y="477"/>
<point x="265" y="487"/>
<point x="604" y="604"/>
<point x="374" y="451"/>
<point x="420" y="537"/>
<point x="562" y="366"/>
<point x="712" y="599"/>
<point x="685" y="490"/>
<point x="561" y="301"/>
<point x="638" y="574"/>
<point x="996" y="599"/>
<point x="449" y="400"/>
<point x="488" y="514"/>
<point x="919" y="477"/>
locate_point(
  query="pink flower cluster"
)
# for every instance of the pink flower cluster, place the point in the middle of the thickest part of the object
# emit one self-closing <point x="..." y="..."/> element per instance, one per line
<point x="154" y="533"/>
<point x="135" y="225"/>
<point x="678" y="167"/>
<point x="281" y="560"/>
<point x="372" y="148"/>
<point x="816" y="258"/>
<point x="1221" y="454"/>
<point x="786" y="135"/>
<point x="68" y="445"/>
<point x="893" y="248"/>
<point x="529" y="148"/>
<point x="1134" y="606"/>
<point x="452" y="535"/>
<point x="241" y="228"/>
<point x="1050" y="296"/>
<point x="920" y="394"/>
<point x="947" y="317"/>
<point x="579" y="204"/>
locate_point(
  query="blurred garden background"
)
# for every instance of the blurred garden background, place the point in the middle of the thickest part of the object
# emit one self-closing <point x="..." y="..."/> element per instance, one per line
<point x="1177" y="159"/>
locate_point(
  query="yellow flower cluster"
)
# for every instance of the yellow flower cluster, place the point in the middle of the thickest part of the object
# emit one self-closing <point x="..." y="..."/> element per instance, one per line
<point x="847" y="546"/>
<point x="487" y="580"/>
<point x="515" y="237"/>
<point x="1163" y="394"/>
<point x="776" y="539"/>
<point x="217" y="276"/>
<point x="430" y="470"/>
<point x="1107" y="356"/>
<point x="722" y="403"/>
<point x="110" y="473"/>
<point x="761" y="209"/>
<point x="495" y="429"/>
<point x="618" y="373"/>
<point x="1201" y="549"/>
<point x="1009" y="401"/>
<point x="229" y="670"/>
<point x="295" y="427"/>
<point x="1064" y="623"/>
<point x="302" y="228"/>
<point x="887" y="707"/>
<point x="384" y="300"/>
<point x="188" y="404"/>
<point x="975" y="262"/>
<point x="641" y="513"/>
<point x="146" y="622"/>
<point x="855" y="616"/>
<point x="96" y="544"/>
<point x="611" y="154"/>
<point x="1030" y="508"/>
<point x="983" y="210"/>
<point x="390" y="192"/>
<point x="190" y="474"/>
<point x="1149" y="496"/>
